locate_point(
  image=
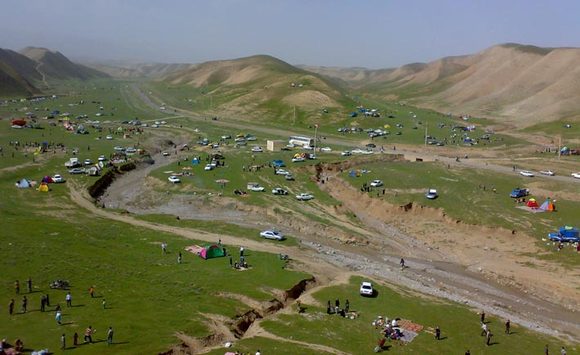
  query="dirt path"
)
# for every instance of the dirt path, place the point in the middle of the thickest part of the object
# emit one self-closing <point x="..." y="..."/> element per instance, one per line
<point x="43" y="75"/>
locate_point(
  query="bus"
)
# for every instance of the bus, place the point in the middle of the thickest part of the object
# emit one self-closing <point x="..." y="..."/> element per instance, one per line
<point x="305" y="142"/>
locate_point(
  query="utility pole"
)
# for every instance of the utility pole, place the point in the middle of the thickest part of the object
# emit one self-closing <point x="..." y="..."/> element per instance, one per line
<point x="426" y="125"/>
<point x="559" y="147"/>
<point x="315" y="136"/>
<point x="294" y="119"/>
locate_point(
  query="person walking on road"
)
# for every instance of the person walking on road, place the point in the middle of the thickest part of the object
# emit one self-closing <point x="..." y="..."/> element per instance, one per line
<point x="402" y="262"/>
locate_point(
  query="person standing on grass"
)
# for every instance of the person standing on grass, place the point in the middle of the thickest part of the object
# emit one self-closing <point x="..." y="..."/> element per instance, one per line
<point x="104" y="303"/>
<point x="29" y="284"/>
<point x="484" y="329"/>
<point x="92" y="291"/>
<point x="47" y="300"/>
<point x="231" y="262"/>
<point x="563" y="351"/>
<point x="58" y="317"/>
<point x="437" y="333"/>
<point x="110" y="336"/>
<point x="488" y="336"/>
<point x="76" y="339"/>
<point x="546" y="350"/>
<point x="17" y="286"/>
<point x="42" y="303"/>
<point x="507" y="326"/>
<point x="89" y="334"/>
<point x="24" y="304"/>
<point x="179" y="258"/>
<point x="63" y="341"/>
<point x="241" y="251"/>
<point x="68" y="299"/>
<point x="11" y="307"/>
<point x="482" y="316"/>
<point x="346" y="305"/>
<point x="163" y="248"/>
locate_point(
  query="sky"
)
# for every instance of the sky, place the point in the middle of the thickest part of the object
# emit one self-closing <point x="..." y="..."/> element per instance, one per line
<point x="348" y="33"/>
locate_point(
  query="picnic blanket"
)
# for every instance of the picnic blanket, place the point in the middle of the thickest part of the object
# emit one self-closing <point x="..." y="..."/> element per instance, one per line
<point x="195" y="249"/>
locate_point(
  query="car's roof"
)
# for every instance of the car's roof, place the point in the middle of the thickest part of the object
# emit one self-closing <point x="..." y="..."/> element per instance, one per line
<point x="366" y="283"/>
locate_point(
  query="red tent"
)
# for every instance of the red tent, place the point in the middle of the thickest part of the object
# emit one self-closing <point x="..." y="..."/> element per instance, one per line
<point x="532" y="203"/>
<point x="47" y="179"/>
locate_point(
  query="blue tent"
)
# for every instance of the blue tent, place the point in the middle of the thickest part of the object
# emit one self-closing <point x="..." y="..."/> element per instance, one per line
<point x="195" y="161"/>
<point x="278" y="163"/>
<point x="23" y="184"/>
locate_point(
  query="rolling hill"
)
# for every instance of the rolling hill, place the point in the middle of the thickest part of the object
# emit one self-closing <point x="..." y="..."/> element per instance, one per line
<point x="16" y="74"/>
<point x="260" y="86"/>
<point x="22" y="74"/>
<point x="513" y="83"/>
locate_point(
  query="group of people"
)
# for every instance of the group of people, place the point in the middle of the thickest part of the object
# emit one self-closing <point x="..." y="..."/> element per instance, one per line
<point x="337" y="309"/>
<point x="44" y="303"/>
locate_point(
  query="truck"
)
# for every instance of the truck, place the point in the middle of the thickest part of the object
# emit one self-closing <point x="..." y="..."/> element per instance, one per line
<point x="565" y="234"/>
<point x="73" y="163"/>
<point x="519" y="192"/>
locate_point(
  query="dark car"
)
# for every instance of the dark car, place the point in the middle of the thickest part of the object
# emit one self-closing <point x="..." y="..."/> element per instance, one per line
<point x="371" y="145"/>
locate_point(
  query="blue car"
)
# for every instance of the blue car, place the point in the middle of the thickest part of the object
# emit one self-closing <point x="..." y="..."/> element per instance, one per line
<point x="566" y="234"/>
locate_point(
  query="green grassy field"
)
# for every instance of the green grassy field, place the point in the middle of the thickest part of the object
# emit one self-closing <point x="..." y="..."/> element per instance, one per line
<point x="150" y="296"/>
<point x="460" y="187"/>
<point x="460" y="326"/>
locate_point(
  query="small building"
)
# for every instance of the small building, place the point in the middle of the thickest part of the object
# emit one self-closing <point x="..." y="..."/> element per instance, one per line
<point x="274" y="145"/>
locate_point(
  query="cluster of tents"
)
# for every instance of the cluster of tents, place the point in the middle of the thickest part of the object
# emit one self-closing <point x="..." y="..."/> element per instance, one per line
<point x="547" y="206"/>
<point x="43" y="187"/>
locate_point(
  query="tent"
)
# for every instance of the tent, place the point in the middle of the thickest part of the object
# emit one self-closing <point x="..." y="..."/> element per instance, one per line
<point x="212" y="251"/>
<point x="47" y="180"/>
<point x="532" y="203"/>
<point x="548" y="205"/>
<point x="23" y="184"/>
<point x="43" y="187"/>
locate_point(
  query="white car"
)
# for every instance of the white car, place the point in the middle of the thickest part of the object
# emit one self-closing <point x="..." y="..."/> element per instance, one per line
<point x="431" y="194"/>
<point x="366" y="289"/>
<point x="109" y="137"/>
<point x="526" y="173"/>
<point x="208" y="167"/>
<point x="282" y="172"/>
<point x="298" y="159"/>
<point x="255" y="188"/>
<point x="576" y="175"/>
<point x="174" y="179"/>
<point x="279" y="191"/>
<point x="119" y="149"/>
<point x="131" y="150"/>
<point x="57" y="178"/>
<point x="377" y="183"/>
<point x="272" y="234"/>
<point x="304" y="196"/>
<point x="326" y="149"/>
<point x="346" y="153"/>
<point x="166" y="154"/>
<point x="88" y="162"/>
<point x="257" y="149"/>
<point x="547" y="172"/>
<point x="102" y="158"/>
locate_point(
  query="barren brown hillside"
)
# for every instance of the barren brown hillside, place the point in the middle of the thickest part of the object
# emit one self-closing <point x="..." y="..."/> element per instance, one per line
<point x="517" y="84"/>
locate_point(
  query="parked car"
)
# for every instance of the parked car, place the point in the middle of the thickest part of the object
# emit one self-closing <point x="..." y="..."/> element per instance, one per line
<point x="131" y="150"/>
<point x="76" y="171"/>
<point x="255" y="187"/>
<point x="366" y="289"/>
<point x="326" y="149"/>
<point x="166" y="154"/>
<point x="57" y="178"/>
<point x="174" y="179"/>
<point x="279" y="191"/>
<point x="304" y="196"/>
<point x="526" y="173"/>
<point x="377" y="183"/>
<point x="565" y="234"/>
<point x="282" y="172"/>
<point x="576" y="175"/>
<point x="109" y="137"/>
<point x="88" y="161"/>
<point x="272" y="234"/>
<point x="431" y="194"/>
<point x="346" y="153"/>
<point x="208" y="167"/>
<point x="547" y="172"/>
<point x="289" y="177"/>
<point x="257" y="149"/>
<point x="371" y="145"/>
<point x="519" y="192"/>
<point x="102" y="158"/>
<point x="298" y="159"/>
